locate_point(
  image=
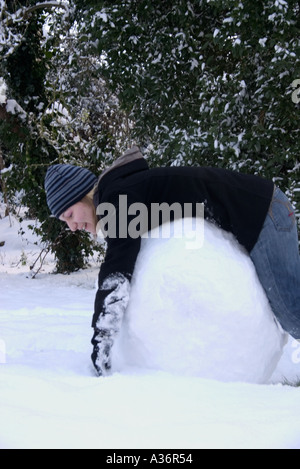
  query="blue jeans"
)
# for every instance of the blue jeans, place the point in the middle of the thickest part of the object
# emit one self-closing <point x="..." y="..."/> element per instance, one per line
<point x="277" y="262"/>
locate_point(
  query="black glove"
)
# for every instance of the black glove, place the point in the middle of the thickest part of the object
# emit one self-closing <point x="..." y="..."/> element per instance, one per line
<point x="101" y="356"/>
<point x="111" y="300"/>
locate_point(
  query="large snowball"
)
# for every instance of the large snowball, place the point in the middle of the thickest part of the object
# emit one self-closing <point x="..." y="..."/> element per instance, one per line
<point x="200" y="312"/>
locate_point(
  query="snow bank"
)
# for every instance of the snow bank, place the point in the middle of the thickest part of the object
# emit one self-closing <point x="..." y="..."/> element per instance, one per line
<point x="201" y="312"/>
<point x="21" y="246"/>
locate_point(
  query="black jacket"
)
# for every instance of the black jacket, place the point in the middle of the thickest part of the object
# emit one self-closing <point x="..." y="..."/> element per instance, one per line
<point x="236" y="202"/>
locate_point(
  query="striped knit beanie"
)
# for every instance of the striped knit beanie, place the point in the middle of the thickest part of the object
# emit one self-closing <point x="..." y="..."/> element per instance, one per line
<point x="66" y="185"/>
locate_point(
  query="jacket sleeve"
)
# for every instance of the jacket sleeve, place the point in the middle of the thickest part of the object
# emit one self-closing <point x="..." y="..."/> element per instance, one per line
<point x="112" y="298"/>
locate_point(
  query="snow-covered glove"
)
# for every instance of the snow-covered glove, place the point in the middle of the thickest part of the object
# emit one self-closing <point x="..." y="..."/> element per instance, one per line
<point x="113" y="298"/>
<point x="101" y="356"/>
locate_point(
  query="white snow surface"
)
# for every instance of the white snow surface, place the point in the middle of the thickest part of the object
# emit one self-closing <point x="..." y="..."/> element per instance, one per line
<point x="194" y="346"/>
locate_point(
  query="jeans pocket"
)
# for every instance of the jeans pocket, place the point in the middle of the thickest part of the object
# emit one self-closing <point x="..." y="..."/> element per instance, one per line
<point x="282" y="212"/>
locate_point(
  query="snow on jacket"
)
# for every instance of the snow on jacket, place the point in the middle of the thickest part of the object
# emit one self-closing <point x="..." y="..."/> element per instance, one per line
<point x="238" y="203"/>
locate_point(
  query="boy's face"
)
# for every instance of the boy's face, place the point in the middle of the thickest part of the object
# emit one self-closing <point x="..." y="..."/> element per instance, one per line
<point x="81" y="216"/>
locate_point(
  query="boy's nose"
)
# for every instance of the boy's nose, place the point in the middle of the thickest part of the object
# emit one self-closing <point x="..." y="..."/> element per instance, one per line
<point x="72" y="225"/>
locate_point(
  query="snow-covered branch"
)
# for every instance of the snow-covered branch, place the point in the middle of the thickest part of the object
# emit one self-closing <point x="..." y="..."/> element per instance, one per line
<point x="24" y="13"/>
<point x="44" y="6"/>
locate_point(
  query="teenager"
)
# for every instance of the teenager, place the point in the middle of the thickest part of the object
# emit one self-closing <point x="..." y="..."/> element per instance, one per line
<point x="252" y="208"/>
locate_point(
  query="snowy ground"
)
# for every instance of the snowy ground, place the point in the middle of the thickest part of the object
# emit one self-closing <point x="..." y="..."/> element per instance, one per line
<point x="50" y="398"/>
